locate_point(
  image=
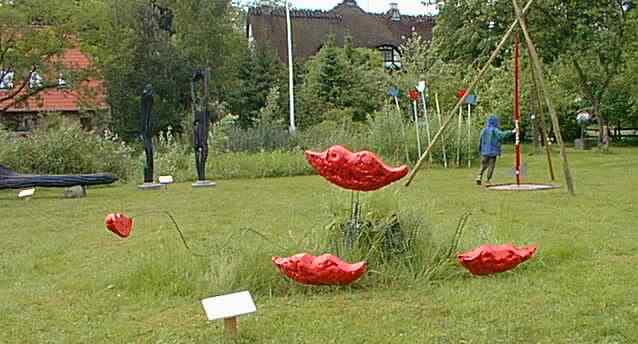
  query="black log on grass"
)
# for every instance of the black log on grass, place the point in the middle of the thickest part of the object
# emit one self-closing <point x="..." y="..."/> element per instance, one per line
<point x="9" y="179"/>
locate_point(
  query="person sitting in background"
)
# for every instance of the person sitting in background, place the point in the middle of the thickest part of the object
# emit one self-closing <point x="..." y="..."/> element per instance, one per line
<point x="490" y="147"/>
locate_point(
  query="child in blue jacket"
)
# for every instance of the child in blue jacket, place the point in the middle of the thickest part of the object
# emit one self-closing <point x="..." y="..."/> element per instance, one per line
<point x="490" y="147"/>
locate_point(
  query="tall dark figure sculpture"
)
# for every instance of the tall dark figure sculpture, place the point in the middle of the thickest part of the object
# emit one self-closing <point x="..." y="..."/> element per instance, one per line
<point x="201" y="121"/>
<point x="147" y="135"/>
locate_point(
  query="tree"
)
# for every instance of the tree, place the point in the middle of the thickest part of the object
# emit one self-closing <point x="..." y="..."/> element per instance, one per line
<point x="134" y="51"/>
<point x="32" y="34"/>
<point x="259" y="72"/>
<point x="343" y="81"/>
<point x="590" y="35"/>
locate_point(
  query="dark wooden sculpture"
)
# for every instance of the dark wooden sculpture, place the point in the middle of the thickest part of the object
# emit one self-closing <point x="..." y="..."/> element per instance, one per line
<point x="201" y="122"/>
<point x="147" y="131"/>
<point x="9" y="179"/>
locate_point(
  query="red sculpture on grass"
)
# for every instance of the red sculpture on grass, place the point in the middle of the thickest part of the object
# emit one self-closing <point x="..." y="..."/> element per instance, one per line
<point x="360" y="171"/>
<point x="461" y="93"/>
<point x="323" y="270"/>
<point x="490" y="259"/>
<point x="119" y="224"/>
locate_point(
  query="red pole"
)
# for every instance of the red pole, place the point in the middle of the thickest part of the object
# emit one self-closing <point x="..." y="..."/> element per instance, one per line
<point x="517" y="107"/>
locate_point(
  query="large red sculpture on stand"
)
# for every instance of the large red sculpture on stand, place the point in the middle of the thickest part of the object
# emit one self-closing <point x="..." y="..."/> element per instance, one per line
<point x="360" y="171"/>
<point x="323" y="270"/>
<point x="490" y="259"/>
<point x="119" y="224"/>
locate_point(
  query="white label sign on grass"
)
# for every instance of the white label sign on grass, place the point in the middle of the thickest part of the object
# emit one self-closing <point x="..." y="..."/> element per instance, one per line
<point x="166" y="179"/>
<point x="26" y="193"/>
<point x="228" y="306"/>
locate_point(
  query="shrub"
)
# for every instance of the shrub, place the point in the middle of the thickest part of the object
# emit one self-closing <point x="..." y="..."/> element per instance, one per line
<point x="393" y="137"/>
<point x="278" y="163"/>
<point x="67" y="150"/>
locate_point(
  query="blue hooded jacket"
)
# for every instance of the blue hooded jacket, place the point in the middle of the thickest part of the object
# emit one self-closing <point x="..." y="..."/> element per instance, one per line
<point x="491" y="137"/>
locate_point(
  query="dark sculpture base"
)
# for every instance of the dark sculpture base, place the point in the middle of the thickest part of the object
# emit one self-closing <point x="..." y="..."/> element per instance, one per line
<point x="149" y="186"/>
<point x="204" y="184"/>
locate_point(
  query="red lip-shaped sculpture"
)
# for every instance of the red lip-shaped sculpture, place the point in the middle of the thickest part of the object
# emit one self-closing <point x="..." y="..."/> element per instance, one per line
<point x="119" y="224"/>
<point x="460" y="93"/>
<point x="490" y="259"/>
<point x="361" y="171"/>
<point x="323" y="270"/>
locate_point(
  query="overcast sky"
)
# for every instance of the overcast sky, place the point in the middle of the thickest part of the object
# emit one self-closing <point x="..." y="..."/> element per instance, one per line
<point x="412" y="7"/>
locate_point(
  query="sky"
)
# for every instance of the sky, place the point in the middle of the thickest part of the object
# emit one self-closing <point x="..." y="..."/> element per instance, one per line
<point x="411" y="7"/>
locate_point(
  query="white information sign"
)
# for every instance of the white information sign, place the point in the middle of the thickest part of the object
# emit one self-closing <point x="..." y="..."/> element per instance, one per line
<point x="26" y="193"/>
<point x="166" y="180"/>
<point x="228" y="306"/>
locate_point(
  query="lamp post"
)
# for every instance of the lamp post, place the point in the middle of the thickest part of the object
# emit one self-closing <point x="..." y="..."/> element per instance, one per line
<point x="291" y="82"/>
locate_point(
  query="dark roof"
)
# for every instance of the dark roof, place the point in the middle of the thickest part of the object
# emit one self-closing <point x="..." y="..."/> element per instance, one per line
<point x="310" y="28"/>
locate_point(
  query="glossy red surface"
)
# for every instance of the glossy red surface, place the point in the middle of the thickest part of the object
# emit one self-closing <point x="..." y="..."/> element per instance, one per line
<point x="119" y="224"/>
<point x="360" y="171"/>
<point x="322" y="270"/>
<point x="414" y="95"/>
<point x="490" y="259"/>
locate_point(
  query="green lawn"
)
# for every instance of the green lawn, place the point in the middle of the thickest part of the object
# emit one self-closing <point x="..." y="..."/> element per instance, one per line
<point x="65" y="279"/>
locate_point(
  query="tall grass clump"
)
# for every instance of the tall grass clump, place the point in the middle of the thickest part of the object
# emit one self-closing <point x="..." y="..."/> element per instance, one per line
<point x="68" y="149"/>
<point x="278" y="163"/>
<point x="172" y="156"/>
<point x="397" y="242"/>
<point x="393" y="136"/>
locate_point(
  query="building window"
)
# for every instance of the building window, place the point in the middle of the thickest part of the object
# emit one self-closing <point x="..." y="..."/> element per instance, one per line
<point x="35" y="81"/>
<point x="391" y="57"/>
<point x="61" y="82"/>
<point x="6" y="79"/>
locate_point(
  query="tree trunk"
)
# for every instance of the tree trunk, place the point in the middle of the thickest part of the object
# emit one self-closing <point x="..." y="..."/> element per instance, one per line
<point x="603" y="126"/>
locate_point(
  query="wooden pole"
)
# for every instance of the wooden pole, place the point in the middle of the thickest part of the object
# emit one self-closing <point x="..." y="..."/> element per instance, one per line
<point x="469" y="135"/>
<point x="438" y="112"/>
<point x="552" y="112"/>
<point x="427" y="123"/>
<point x="458" y="140"/>
<point x="405" y="139"/>
<point x="230" y="326"/>
<point x="416" y="127"/>
<point x="541" y="122"/>
<point x="469" y="89"/>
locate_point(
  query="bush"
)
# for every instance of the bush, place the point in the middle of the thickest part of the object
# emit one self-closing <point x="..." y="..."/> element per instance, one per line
<point x="68" y="150"/>
<point x="393" y="137"/>
<point x="278" y="163"/>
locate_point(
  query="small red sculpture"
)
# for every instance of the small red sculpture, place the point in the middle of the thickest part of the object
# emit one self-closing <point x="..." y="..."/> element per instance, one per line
<point x="414" y="95"/>
<point x="361" y="171"/>
<point x="119" y="224"/>
<point x="460" y="93"/>
<point x="490" y="259"/>
<point x="323" y="270"/>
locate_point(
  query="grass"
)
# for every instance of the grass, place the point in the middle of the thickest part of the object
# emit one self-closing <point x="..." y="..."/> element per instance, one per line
<point x="65" y="279"/>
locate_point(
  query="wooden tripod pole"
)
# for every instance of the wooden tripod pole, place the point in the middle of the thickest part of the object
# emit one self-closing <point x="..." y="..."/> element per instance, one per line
<point x="458" y="139"/>
<point x="427" y="122"/>
<point x="469" y="135"/>
<point x="541" y="123"/>
<point x="407" y="151"/>
<point x="469" y="89"/>
<point x="438" y="112"/>
<point x="552" y="112"/>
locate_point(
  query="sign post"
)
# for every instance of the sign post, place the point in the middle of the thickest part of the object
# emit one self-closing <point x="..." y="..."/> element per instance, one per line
<point x="229" y="307"/>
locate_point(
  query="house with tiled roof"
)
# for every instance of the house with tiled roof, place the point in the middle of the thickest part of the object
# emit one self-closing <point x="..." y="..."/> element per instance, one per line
<point x="78" y="100"/>
<point x="311" y="28"/>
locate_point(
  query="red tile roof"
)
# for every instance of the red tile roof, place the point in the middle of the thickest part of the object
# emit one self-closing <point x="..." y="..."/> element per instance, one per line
<point x="84" y="95"/>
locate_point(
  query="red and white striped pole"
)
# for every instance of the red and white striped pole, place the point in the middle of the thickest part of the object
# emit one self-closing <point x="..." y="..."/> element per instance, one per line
<point x="517" y="107"/>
